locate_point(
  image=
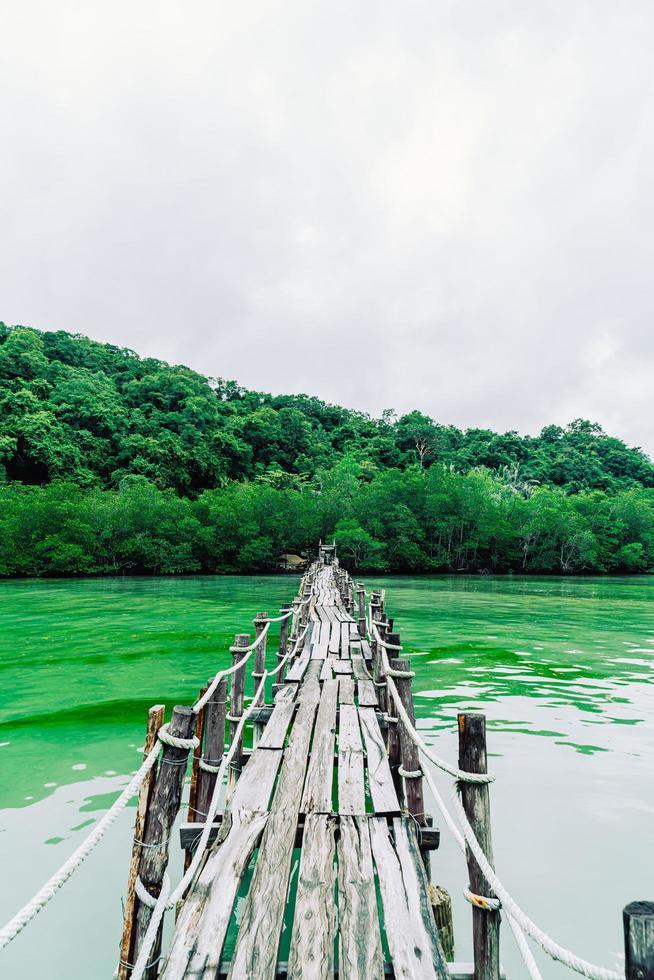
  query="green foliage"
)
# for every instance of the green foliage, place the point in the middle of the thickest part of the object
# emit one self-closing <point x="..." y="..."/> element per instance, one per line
<point x="111" y="463"/>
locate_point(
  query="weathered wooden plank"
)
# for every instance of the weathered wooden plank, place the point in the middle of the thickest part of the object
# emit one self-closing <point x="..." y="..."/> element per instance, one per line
<point x="367" y="652"/>
<point x="345" y="690"/>
<point x="354" y="630"/>
<point x="341" y="666"/>
<point x="345" y="640"/>
<point x="380" y="781"/>
<point x="311" y="955"/>
<point x="317" y="796"/>
<point x="319" y="651"/>
<point x="325" y="633"/>
<point x="204" y="918"/>
<point x="335" y="638"/>
<point x="367" y="693"/>
<point x="359" y="943"/>
<point x="300" y="664"/>
<point x="351" y="792"/>
<point x="326" y="671"/>
<point x="409" y="923"/>
<point x="274" y="734"/>
<point x="255" y="955"/>
<point x="252" y="791"/>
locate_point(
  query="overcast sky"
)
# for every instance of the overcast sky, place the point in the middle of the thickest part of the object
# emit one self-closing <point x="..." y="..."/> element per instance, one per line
<point x="438" y="205"/>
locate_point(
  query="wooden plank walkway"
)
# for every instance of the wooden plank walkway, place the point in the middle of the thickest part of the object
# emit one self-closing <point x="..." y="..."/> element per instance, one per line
<point x="319" y="778"/>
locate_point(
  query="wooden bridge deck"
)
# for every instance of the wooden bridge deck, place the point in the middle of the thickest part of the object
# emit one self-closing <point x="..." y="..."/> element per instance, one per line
<point x="318" y="778"/>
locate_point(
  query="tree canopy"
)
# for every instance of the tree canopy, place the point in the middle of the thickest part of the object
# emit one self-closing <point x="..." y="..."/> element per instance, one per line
<point x="110" y="463"/>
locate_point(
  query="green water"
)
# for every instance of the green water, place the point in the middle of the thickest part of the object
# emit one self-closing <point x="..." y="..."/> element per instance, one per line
<point x="563" y="669"/>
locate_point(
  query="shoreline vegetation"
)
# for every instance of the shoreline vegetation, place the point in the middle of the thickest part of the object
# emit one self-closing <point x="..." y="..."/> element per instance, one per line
<point x="115" y="464"/>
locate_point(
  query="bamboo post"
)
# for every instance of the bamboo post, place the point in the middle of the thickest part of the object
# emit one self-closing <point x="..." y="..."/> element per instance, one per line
<point x="413" y="790"/>
<point x="162" y="810"/>
<point x="361" y="608"/>
<point x="638" y="922"/>
<point x="155" y="721"/>
<point x="213" y="748"/>
<point x="237" y="689"/>
<point x="393" y="735"/>
<point x="283" y="645"/>
<point x="476" y="803"/>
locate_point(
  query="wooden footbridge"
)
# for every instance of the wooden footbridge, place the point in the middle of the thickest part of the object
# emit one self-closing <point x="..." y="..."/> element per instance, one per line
<point x="307" y="850"/>
<point x="319" y="792"/>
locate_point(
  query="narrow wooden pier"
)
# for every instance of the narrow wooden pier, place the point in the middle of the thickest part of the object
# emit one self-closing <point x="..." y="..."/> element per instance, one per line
<point x="319" y="779"/>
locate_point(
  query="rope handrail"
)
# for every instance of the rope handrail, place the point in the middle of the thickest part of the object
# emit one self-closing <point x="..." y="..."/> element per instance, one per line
<point x="56" y="881"/>
<point x="168" y="899"/>
<point x="466" y="835"/>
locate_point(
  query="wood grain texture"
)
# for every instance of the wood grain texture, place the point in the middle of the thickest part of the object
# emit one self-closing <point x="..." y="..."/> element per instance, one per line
<point x="317" y="796"/>
<point x="311" y="955"/>
<point x="359" y="941"/>
<point x="274" y="733"/>
<point x="409" y="924"/>
<point x="638" y="922"/>
<point x="380" y="781"/>
<point x="255" y="954"/>
<point x="161" y="813"/>
<point x="155" y="721"/>
<point x="476" y="803"/>
<point x="213" y="745"/>
<point x="345" y="690"/>
<point x="351" y="792"/>
<point x="202" y="925"/>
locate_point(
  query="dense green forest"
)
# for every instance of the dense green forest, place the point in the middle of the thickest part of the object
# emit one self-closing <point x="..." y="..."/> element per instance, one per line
<point x="111" y="463"/>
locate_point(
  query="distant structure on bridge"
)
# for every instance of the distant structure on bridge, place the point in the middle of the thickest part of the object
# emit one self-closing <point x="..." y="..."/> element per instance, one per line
<point x="327" y="552"/>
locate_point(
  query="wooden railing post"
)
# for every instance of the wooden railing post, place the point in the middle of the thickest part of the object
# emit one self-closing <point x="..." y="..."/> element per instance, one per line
<point x="638" y="922"/>
<point x="361" y="608"/>
<point x="213" y="749"/>
<point x="393" y="734"/>
<point x="283" y="645"/>
<point x="476" y="803"/>
<point x="258" y="670"/>
<point x="155" y="721"/>
<point x="236" y="691"/>
<point x="162" y="810"/>
<point x="413" y="790"/>
<point x="379" y="673"/>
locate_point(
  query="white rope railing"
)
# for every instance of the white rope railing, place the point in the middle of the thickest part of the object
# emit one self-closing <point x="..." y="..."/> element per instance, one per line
<point x="47" y="892"/>
<point x="466" y="835"/>
<point x="168" y="899"/>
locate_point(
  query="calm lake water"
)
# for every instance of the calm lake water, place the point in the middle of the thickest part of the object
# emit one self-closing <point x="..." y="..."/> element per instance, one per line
<point x="563" y="669"/>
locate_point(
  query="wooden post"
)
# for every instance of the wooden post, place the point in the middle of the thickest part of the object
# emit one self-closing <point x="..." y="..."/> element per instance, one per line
<point x="379" y="673"/>
<point x="476" y="803"/>
<point x="237" y="689"/>
<point x="393" y="736"/>
<point x="155" y="721"/>
<point x="258" y="671"/>
<point x="361" y="608"/>
<point x="441" y="905"/>
<point x="638" y="922"/>
<point x="283" y="645"/>
<point x="213" y="748"/>
<point x="162" y="810"/>
<point x="413" y="791"/>
<point x="197" y="752"/>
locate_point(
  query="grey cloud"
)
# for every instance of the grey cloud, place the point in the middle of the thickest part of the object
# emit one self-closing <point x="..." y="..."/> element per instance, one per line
<point x="441" y="205"/>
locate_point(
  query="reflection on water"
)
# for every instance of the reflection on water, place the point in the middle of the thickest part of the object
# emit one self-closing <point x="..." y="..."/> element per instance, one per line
<point x="563" y="669"/>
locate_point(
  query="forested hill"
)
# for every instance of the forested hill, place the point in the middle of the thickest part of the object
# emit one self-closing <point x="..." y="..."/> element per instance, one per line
<point x="92" y="413"/>
<point x="111" y="462"/>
